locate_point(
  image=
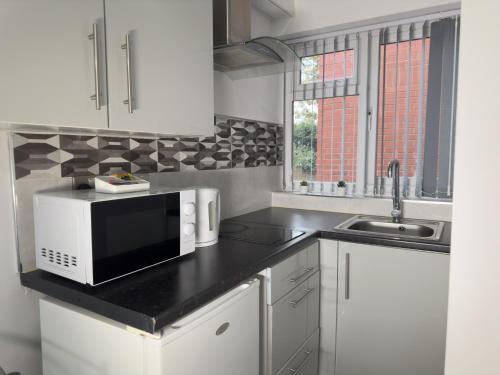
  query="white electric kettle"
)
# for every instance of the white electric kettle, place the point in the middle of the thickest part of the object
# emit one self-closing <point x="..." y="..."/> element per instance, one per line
<point x="207" y="216"/>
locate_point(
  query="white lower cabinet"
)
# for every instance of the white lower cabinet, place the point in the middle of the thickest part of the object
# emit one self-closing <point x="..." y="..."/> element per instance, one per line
<point x="292" y="314"/>
<point x="292" y="271"/>
<point x="383" y="312"/>
<point x="294" y="318"/>
<point x="221" y="338"/>
<point x="392" y="309"/>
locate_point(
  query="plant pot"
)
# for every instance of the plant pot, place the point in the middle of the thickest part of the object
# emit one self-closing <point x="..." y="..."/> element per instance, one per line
<point x="341" y="191"/>
<point x="304" y="189"/>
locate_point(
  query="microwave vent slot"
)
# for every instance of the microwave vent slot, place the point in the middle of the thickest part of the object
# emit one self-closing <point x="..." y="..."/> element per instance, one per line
<point x="59" y="258"/>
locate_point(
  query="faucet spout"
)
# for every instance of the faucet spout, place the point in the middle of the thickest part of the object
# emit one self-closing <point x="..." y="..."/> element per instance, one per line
<point x="393" y="171"/>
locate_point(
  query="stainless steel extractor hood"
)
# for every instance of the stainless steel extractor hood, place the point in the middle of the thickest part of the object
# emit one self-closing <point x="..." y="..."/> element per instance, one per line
<point x="236" y="53"/>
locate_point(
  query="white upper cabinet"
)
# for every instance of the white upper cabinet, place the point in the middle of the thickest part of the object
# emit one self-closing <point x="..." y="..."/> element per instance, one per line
<point x="47" y="66"/>
<point x="55" y="72"/>
<point x="161" y="80"/>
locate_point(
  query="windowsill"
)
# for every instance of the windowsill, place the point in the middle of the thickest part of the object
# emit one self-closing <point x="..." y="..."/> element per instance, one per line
<point x="385" y="197"/>
<point x="412" y="208"/>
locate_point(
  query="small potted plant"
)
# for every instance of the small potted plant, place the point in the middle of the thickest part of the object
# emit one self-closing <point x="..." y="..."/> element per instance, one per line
<point x="341" y="188"/>
<point x="304" y="187"/>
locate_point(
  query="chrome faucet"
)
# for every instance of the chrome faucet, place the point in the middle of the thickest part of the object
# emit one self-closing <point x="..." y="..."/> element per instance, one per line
<point x="393" y="171"/>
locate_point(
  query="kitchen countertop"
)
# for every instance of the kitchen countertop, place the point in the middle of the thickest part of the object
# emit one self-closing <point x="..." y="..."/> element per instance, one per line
<point x="324" y="223"/>
<point x="154" y="298"/>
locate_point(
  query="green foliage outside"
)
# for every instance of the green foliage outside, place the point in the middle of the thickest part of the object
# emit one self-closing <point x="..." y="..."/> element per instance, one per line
<point x="305" y="139"/>
<point x="309" y="69"/>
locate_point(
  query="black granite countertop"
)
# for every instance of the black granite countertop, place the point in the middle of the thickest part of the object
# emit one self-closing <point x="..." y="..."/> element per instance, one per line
<point x="154" y="298"/>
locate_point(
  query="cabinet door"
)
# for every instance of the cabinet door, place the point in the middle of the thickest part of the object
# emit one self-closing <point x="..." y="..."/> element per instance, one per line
<point x="392" y="311"/>
<point x="47" y="70"/>
<point x="170" y="76"/>
<point x="221" y="341"/>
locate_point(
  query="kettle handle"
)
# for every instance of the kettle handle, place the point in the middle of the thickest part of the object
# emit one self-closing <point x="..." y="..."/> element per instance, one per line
<point x="213" y="214"/>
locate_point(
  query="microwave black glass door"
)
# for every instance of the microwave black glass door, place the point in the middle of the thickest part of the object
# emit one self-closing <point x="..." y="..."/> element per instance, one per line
<point x="134" y="233"/>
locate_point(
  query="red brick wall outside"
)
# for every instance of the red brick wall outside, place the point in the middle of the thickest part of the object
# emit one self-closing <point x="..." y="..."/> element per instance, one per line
<point x="332" y="113"/>
<point x="391" y="136"/>
<point x="329" y="154"/>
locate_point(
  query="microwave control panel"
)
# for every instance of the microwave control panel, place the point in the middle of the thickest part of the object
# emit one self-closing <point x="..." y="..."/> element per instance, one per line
<point x="188" y="221"/>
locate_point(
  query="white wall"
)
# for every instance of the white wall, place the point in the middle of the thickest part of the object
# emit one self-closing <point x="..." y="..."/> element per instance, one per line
<point x="319" y="14"/>
<point x="473" y="344"/>
<point x="258" y="98"/>
<point x="19" y="327"/>
<point x="242" y="189"/>
<point x="415" y="209"/>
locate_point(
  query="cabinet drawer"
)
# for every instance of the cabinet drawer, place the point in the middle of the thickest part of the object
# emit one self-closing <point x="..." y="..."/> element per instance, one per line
<point x="286" y="275"/>
<point x="305" y="360"/>
<point x="292" y="320"/>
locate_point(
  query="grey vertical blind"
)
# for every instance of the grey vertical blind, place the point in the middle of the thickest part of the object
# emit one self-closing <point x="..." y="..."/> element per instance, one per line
<point x="417" y="91"/>
<point x="437" y="176"/>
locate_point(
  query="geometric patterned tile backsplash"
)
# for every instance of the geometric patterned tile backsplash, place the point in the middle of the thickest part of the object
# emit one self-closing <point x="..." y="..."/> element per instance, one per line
<point x="236" y="144"/>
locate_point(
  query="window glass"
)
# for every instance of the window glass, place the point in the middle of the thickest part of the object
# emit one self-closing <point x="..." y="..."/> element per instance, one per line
<point x="328" y="67"/>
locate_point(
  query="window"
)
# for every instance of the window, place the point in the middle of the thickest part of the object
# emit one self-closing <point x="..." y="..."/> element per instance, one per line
<point x="325" y="113"/>
<point x="365" y="98"/>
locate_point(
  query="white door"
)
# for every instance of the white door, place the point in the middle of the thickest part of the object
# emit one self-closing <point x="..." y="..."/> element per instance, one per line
<point x="392" y="308"/>
<point x="47" y="70"/>
<point x="223" y="340"/>
<point x="169" y="83"/>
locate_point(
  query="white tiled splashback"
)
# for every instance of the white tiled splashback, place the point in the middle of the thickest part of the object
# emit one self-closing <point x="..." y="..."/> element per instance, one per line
<point x="368" y="206"/>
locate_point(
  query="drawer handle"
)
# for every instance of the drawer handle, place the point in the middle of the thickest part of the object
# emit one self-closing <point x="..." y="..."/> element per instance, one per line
<point x="296" y="302"/>
<point x="302" y="364"/>
<point x="306" y="271"/>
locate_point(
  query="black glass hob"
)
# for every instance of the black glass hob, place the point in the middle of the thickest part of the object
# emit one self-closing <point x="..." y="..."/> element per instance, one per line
<point x="258" y="234"/>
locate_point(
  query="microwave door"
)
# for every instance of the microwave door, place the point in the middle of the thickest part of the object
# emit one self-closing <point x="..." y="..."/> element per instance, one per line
<point x="134" y="233"/>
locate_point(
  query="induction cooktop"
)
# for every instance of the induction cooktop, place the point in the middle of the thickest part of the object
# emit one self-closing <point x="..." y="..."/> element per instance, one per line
<point x="258" y="234"/>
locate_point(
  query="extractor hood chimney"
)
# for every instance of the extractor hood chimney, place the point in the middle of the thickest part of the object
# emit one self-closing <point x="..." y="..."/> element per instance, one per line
<point x="236" y="53"/>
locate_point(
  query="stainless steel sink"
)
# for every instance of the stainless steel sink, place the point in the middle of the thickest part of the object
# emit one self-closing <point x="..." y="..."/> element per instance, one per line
<point x="379" y="226"/>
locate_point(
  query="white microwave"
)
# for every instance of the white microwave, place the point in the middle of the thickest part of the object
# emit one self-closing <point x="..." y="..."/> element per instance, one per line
<point x="93" y="237"/>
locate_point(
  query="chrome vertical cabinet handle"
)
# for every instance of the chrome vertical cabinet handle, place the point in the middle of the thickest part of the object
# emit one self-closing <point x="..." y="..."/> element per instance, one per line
<point x="94" y="37"/>
<point x="126" y="48"/>
<point x="347" y="275"/>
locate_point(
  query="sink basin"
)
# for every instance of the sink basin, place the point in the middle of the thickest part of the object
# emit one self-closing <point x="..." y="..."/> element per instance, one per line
<point x="377" y="226"/>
